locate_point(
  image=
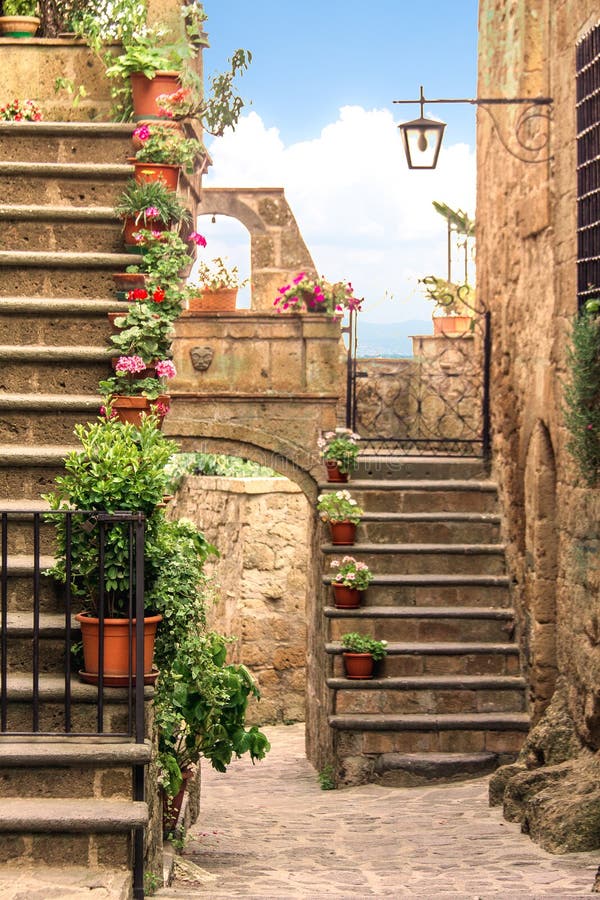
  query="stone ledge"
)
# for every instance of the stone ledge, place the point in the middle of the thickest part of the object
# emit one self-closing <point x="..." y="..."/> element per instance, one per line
<point x="67" y="753"/>
<point x="249" y="485"/>
<point x="67" y="815"/>
<point x="447" y="722"/>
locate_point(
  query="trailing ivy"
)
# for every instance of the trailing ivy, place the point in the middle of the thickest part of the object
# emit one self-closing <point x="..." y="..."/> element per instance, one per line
<point x="581" y="406"/>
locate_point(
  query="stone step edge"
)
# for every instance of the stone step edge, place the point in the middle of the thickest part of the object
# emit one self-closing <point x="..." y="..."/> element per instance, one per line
<point x="437" y="648"/>
<point x="54" y="353"/>
<point x="25" y="456"/>
<point x="442" y="722"/>
<point x="423" y="580"/>
<point x="27" y="212"/>
<point x="445" y="485"/>
<point x="394" y="517"/>
<point x="65" y="260"/>
<point x="419" y="549"/>
<point x="96" y="171"/>
<point x="22" y="564"/>
<point x="63" y="753"/>
<point x="51" y="625"/>
<point x="367" y="457"/>
<point x="51" y="402"/>
<point x="70" y="815"/>
<point x="52" y="690"/>
<point x="64" y="305"/>
<point x="421" y="612"/>
<point x="436" y="764"/>
<point x="431" y="682"/>
<point x="98" y="129"/>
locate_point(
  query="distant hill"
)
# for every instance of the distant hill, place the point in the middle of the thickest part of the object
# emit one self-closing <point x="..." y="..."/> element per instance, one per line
<point x="389" y="339"/>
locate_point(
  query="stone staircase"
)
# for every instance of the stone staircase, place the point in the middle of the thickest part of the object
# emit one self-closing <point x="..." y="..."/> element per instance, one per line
<point x="448" y="701"/>
<point x="66" y="810"/>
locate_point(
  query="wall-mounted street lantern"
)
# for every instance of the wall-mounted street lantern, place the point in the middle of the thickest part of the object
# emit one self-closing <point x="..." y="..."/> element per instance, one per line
<point x="422" y="137"/>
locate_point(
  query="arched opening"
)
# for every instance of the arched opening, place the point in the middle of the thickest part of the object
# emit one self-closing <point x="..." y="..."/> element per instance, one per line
<point x="228" y="238"/>
<point x="541" y="568"/>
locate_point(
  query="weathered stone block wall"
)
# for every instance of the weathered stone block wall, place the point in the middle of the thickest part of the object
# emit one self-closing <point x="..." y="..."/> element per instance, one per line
<point x="262" y="528"/>
<point x="526" y="272"/>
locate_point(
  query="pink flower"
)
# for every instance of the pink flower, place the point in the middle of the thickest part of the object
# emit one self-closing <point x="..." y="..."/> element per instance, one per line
<point x="162" y="407"/>
<point x="299" y="278"/>
<point x="198" y="239"/>
<point x="166" y="369"/>
<point x="130" y="364"/>
<point x="282" y="290"/>
<point x="142" y="133"/>
<point x="151" y="212"/>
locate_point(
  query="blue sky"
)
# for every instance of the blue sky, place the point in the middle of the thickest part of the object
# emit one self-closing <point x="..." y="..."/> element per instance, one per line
<point x="319" y="112"/>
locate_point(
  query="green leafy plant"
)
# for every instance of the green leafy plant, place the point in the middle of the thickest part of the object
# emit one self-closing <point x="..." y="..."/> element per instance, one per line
<point x="132" y="378"/>
<point x="215" y="276"/>
<point x="150" y="201"/>
<point x="581" y="404"/>
<point x="326" y="778"/>
<point x="338" y="506"/>
<point x="166" y="145"/>
<point x="354" y="642"/>
<point x="20" y="7"/>
<point x="143" y="332"/>
<point x="450" y="298"/>
<point x="183" y="464"/>
<point x="351" y="573"/>
<point x="341" y="446"/>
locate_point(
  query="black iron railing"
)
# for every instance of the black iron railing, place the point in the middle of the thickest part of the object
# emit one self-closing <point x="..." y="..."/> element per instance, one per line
<point x="588" y="165"/>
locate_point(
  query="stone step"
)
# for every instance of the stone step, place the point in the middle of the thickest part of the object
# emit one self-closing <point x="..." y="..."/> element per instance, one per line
<point x="422" y="496"/>
<point x="78" y="832"/>
<point x="64" y="184"/>
<point x="428" y="528"/>
<point x="432" y="695"/>
<point x="51" y="634"/>
<point x="440" y="658"/>
<point x="57" y="370"/>
<point x="423" y="624"/>
<point x="404" y="559"/>
<point x="45" y="418"/>
<point x="58" y="321"/>
<point x="65" y="142"/>
<point x="28" y="472"/>
<point x="20" y="525"/>
<point x="51" y="227"/>
<point x="38" y="274"/>
<point x="390" y="467"/>
<point x="67" y="883"/>
<point x="436" y="590"/>
<point x="413" y="769"/>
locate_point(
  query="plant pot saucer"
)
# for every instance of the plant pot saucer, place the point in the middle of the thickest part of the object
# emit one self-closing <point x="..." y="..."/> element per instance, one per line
<point x="358" y="677"/>
<point x="116" y="680"/>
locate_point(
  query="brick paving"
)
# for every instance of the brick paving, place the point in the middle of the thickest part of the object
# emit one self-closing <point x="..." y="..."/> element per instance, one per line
<point x="270" y="832"/>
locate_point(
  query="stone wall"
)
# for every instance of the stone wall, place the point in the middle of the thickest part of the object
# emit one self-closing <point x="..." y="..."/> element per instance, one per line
<point x="526" y="273"/>
<point x="262" y="530"/>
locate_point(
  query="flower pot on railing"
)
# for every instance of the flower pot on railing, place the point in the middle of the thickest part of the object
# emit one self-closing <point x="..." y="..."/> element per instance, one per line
<point x="118" y="649"/>
<point x="145" y="90"/>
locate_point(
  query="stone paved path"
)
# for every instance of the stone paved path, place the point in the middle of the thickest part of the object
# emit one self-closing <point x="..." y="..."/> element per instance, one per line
<point x="270" y="832"/>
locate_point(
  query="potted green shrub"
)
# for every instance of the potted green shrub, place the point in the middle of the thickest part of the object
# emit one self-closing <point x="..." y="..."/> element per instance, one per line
<point x="341" y="511"/>
<point x="360" y="653"/>
<point x="215" y="286"/>
<point x="19" y="18"/>
<point x="350" y="579"/>
<point x="339" y="449"/>
<point x="149" y="205"/>
<point x="118" y="468"/>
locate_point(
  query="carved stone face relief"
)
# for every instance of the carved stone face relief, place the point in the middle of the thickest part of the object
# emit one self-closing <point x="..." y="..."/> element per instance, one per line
<point x="201" y="357"/>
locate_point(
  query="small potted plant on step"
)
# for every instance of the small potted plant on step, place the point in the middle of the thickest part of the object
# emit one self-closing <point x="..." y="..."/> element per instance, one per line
<point x="350" y="579"/>
<point x="339" y="449"/>
<point x="360" y="654"/>
<point x="342" y="512"/>
<point x="163" y="153"/>
<point x="149" y="205"/>
<point x="215" y="287"/>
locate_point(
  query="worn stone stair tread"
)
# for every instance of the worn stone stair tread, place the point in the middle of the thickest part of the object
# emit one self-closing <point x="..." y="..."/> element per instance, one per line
<point x="62" y="753"/>
<point x="434" y="722"/>
<point x="26" y="211"/>
<point x="20" y="814"/>
<point x="60" y="305"/>
<point x="73" y="882"/>
<point x="436" y="764"/>
<point x="438" y="549"/>
<point x="64" y="402"/>
<point x="66" y="169"/>
<point x="413" y="485"/>
<point x="439" y="648"/>
<point x="438" y="580"/>
<point x="390" y="517"/>
<point x="52" y="690"/>
<point x="27" y="455"/>
<point x="86" y="129"/>
<point x="51" y="625"/>
<point x="421" y="612"/>
<point x="430" y="682"/>
<point x="66" y="260"/>
<point x="54" y="353"/>
<point x="22" y="564"/>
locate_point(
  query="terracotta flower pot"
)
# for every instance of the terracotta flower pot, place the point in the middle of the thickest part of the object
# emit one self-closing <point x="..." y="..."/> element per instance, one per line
<point x="333" y="472"/>
<point x="119" y="647"/>
<point x="222" y="300"/>
<point x="129" y="281"/>
<point x="452" y="324"/>
<point x="130" y="227"/>
<point x="131" y="409"/>
<point x="342" y="533"/>
<point x="145" y="91"/>
<point x="19" y="26"/>
<point x="358" y="665"/>
<point x="169" y="175"/>
<point x="346" y="597"/>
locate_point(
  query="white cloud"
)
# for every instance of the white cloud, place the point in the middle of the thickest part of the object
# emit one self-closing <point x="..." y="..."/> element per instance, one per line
<point x="364" y="215"/>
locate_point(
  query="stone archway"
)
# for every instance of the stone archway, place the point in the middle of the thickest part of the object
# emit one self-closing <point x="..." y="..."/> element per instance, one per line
<point x="277" y="248"/>
<point x="541" y="567"/>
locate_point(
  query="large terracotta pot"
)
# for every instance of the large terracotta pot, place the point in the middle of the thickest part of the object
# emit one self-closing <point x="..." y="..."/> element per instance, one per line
<point x="358" y="665"/>
<point x="169" y="175"/>
<point x="222" y="300"/>
<point x="145" y="91"/>
<point x="19" y="26"/>
<point x="118" y="650"/>
<point x="342" y="533"/>
<point x="333" y="472"/>
<point x="346" y="597"/>
<point x="131" y="409"/>
<point x="130" y="227"/>
<point x="454" y="325"/>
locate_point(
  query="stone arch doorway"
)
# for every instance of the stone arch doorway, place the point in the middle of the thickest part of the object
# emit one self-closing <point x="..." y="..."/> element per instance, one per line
<point x="229" y="239"/>
<point x="541" y="567"/>
<point x="277" y="248"/>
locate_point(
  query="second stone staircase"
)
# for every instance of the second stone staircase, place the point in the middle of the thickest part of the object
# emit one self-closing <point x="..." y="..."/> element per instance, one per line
<point x="448" y="700"/>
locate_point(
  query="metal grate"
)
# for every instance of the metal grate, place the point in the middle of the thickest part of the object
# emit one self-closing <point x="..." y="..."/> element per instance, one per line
<point x="588" y="165"/>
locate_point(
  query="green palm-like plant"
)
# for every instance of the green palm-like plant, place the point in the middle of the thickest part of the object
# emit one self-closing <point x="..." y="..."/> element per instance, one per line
<point x="150" y="201"/>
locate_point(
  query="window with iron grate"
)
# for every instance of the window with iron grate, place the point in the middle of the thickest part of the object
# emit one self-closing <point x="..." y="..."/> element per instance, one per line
<point x="588" y="165"/>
